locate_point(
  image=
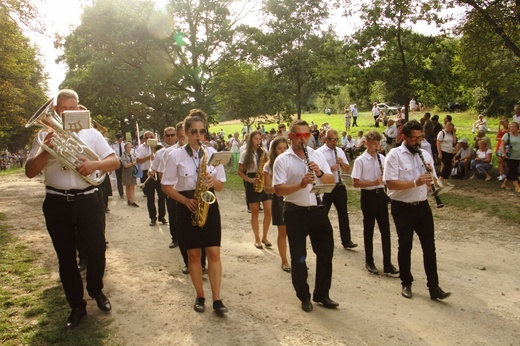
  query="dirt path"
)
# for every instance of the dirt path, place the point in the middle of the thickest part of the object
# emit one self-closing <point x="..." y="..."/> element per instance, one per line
<point x="477" y="258"/>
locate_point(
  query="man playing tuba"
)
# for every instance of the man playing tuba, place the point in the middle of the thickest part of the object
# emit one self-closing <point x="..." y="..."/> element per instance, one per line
<point x="72" y="207"/>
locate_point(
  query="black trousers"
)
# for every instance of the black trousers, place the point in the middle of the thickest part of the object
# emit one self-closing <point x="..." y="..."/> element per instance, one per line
<point x="339" y="197"/>
<point x="313" y="222"/>
<point x="152" y="186"/>
<point x="409" y="218"/>
<point x="447" y="160"/>
<point x="374" y="205"/>
<point x="355" y="122"/>
<point x="119" y="179"/>
<point x="83" y="218"/>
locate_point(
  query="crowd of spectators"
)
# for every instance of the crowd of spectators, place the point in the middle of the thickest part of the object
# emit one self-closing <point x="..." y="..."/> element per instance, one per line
<point x="9" y="160"/>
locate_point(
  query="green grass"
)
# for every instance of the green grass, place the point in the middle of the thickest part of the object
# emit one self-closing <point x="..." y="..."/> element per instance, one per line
<point x="12" y="170"/>
<point x="33" y="308"/>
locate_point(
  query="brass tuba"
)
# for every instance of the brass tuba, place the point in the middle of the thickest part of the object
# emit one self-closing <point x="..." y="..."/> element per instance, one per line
<point x="258" y="185"/>
<point x="67" y="146"/>
<point x="202" y="195"/>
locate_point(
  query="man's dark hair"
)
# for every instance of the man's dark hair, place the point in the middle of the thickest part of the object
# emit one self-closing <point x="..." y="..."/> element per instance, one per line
<point x="410" y="126"/>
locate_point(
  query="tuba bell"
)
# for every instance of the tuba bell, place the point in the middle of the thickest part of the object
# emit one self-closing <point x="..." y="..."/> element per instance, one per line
<point x="67" y="146"/>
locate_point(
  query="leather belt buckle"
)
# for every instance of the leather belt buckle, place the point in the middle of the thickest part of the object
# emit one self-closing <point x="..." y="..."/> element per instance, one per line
<point x="70" y="198"/>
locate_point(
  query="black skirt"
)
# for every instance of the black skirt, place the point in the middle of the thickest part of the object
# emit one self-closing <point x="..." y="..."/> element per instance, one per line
<point x="251" y="195"/>
<point x="196" y="237"/>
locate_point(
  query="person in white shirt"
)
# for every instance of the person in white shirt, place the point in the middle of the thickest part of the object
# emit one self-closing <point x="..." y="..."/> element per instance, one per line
<point x="368" y="176"/>
<point x="375" y="113"/>
<point x="180" y="180"/>
<point x="294" y="173"/>
<point x="145" y="157"/>
<point x="482" y="162"/>
<point x="390" y="135"/>
<point x="338" y="163"/>
<point x="480" y="124"/>
<point x="354" y="111"/>
<point x="73" y="208"/>
<point x="408" y="182"/>
<point x="463" y="157"/>
<point x="516" y="116"/>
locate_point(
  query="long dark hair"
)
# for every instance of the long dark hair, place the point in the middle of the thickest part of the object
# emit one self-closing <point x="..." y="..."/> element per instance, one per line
<point x="272" y="151"/>
<point x="249" y="157"/>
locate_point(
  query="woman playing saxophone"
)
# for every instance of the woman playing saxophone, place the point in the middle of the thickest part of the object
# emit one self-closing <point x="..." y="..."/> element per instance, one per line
<point x="250" y="168"/>
<point x="186" y="172"/>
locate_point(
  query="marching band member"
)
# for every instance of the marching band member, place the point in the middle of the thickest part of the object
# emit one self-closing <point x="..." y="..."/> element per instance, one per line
<point x="180" y="180"/>
<point x="145" y="158"/>
<point x="251" y="163"/>
<point x="294" y="172"/>
<point x="72" y="207"/>
<point x="337" y="161"/>
<point x="408" y="183"/>
<point x="368" y="176"/>
<point x="278" y="146"/>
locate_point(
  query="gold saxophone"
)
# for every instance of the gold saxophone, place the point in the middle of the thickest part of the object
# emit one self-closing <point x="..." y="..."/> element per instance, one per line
<point x="259" y="182"/>
<point x="202" y="195"/>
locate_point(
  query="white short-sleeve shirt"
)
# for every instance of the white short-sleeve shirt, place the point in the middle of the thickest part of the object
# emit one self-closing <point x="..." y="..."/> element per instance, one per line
<point x="329" y="155"/>
<point x="367" y="168"/>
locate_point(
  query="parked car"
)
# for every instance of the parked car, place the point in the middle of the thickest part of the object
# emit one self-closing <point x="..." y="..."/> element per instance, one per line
<point x="389" y="108"/>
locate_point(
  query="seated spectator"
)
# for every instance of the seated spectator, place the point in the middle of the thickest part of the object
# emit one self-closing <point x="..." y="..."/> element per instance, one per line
<point x="481" y="136"/>
<point x="482" y="162"/>
<point x="349" y="145"/>
<point x="480" y="124"/>
<point x="360" y="145"/>
<point x="462" y="159"/>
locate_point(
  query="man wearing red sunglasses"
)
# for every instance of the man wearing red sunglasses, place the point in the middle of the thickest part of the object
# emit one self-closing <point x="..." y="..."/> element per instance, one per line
<point x="294" y="173"/>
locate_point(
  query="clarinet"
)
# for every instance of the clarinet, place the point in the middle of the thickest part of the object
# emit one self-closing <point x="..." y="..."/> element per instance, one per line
<point x="428" y="170"/>
<point x="339" y="170"/>
<point x="382" y="172"/>
<point x="308" y="162"/>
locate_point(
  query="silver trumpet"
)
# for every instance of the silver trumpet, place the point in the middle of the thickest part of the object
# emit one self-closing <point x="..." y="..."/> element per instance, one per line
<point x="67" y="146"/>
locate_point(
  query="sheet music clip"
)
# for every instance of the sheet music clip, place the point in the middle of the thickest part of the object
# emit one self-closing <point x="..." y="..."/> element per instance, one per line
<point x="443" y="190"/>
<point x="220" y="158"/>
<point x="324" y="188"/>
<point x="344" y="176"/>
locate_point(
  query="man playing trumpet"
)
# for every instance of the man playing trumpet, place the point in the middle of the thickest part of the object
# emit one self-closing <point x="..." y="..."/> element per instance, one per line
<point x="73" y="210"/>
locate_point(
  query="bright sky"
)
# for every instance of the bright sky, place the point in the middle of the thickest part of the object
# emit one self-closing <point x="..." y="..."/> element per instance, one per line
<point x="62" y="16"/>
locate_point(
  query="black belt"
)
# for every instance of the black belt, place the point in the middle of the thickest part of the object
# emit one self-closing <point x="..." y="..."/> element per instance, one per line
<point x="377" y="191"/>
<point x="409" y="203"/>
<point x="71" y="191"/>
<point x="293" y="207"/>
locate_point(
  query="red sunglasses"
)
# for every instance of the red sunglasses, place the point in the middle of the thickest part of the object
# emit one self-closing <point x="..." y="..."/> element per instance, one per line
<point x="300" y="135"/>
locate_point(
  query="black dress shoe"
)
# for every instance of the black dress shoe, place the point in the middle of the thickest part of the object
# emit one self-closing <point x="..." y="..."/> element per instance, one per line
<point x="163" y="221"/>
<point x="185" y="270"/>
<point x="307" y="306"/>
<point x="153" y="222"/>
<point x="391" y="270"/>
<point x="219" y="307"/>
<point x="102" y="302"/>
<point x="199" y="304"/>
<point x="350" y="245"/>
<point x="438" y="293"/>
<point x="326" y="302"/>
<point x="173" y="245"/>
<point x="407" y="291"/>
<point x="82" y="265"/>
<point x="75" y="317"/>
<point x="371" y="268"/>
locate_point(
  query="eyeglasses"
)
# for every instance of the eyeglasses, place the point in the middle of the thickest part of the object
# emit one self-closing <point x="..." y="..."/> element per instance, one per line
<point x="170" y="135"/>
<point x="416" y="138"/>
<point x="300" y="135"/>
<point x="332" y="139"/>
<point x="201" y="132"/>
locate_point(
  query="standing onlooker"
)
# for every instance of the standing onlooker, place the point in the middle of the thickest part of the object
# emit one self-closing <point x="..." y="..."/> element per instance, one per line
<point x="129" y="180"/>
<point x="234" y="146"/>
<point x="337" y="162"/>
<point x="180" y="180"/>
<point x="446" y="140"/>
<point x="294" y="173"/>
<point x="278" y="147"/>
<point x="428" y="128"/>
<point x="408" y="182"/>
<point x="354" y="111"/>
<point x="72" y="208"/>
<point x="368" y="176"/>
<point x="375" y="113"/>
<point x="390" y="135"/>
<point x="511" y="152"/>
<point x="119" y="149"/>
<point x="516" y="116"/>
<point x="347" y="119"/>
<point x="503" y="128"/>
